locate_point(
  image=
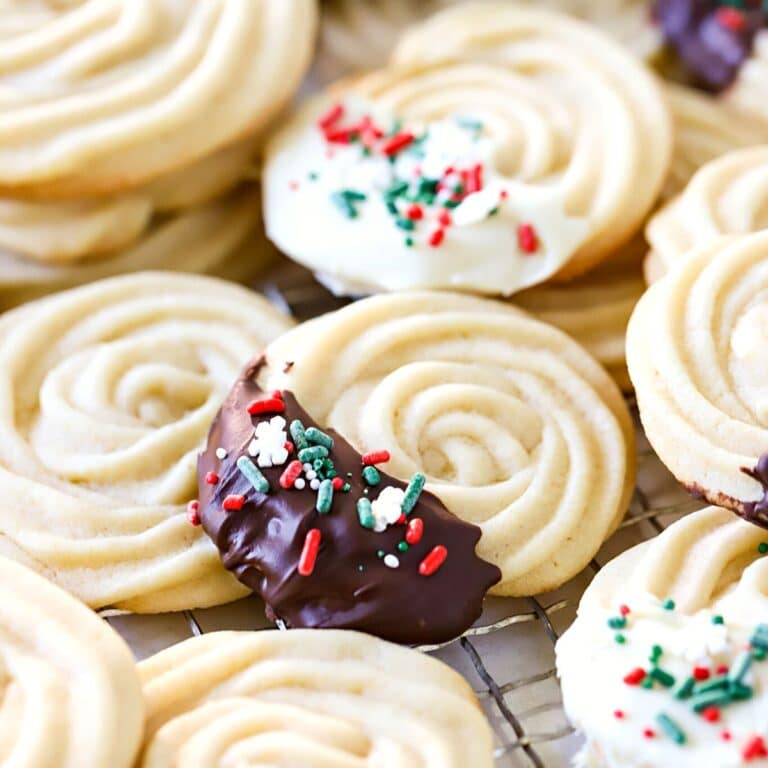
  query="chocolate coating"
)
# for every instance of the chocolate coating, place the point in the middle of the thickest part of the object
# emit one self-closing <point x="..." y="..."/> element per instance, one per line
<point x="712" y="38"/>
<point x="350" y="586"/>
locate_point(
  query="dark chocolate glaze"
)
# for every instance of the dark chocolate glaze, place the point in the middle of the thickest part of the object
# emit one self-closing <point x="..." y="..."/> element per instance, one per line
<point x="711" y="38"/>
<point x="350" y="587"/>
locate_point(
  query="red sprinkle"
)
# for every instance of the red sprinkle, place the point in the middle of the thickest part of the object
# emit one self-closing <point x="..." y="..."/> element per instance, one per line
<point x="396" y="143"/>
<point x="309" y="552"/>
<point x="726" y="735"/>
<point x="375" y="457"/>
<point x="277" y="394"/>
<point x="527" y="238"/>
<point x="415" y="530"/>
<point x="290" y="473"/>
<point x="333" y="115"/>
<point x="414" y="212"/>
<point x="504" y="194"/>
<point x="337" y="483"/>
<point x="433" y="560"/>
<point x="474" y="179"/>
<point x="340" y="135"/>
<point x="402" y="520"/>
<point x="731" y="18"/>
<point x="619" y="714"/>
<point x="233" y="502"/>
<point x="436" y="237"/>
<point x="754" y="749"/>
<point x="700" y="673"/>
<point x="293" y="185"/>
<point x="270" y="405"/>
<point x="211" y="478"/>
<point x="649" y="733"/>
<point x="635" y="677"/>
<point x="711" y="714"/>
<point x="444" y="218"/>
<point x="193" y="512"/>
<point x="288" y="445"/>
<point x="624" y="610"/>
<point x="722" y="669"/>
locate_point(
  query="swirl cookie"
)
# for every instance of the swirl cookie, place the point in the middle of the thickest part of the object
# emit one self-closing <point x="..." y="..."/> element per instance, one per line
<point x="666" y="663"/>
<point x="99" y="97"/>
<point x="223" y="237"/>
<point x="594" y="309"/>
<point x="514" y="427"/>
<point x="695" y="348"/>
<point x="71" y="696"/>
<point x="470" y="162"/>
<point x="108" y="391"/>
<point x="727" y="196"/>
<point x="295" y="698"/>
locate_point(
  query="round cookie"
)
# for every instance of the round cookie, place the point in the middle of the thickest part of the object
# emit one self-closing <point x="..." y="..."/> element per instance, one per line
<point x="665" y="664"/>
<point x="308" y="698"/>
<point x="727" y="196"/>
<point x="108" y="391"/>
<point x="223" y="237"/>
<point x="71" y="695"/>
<point x="105" y="96"/>
<point x="695" y="355"/>
<point x="594" y="309"/>
<point x="516" y="428"/>
<point x="472" y="161"/>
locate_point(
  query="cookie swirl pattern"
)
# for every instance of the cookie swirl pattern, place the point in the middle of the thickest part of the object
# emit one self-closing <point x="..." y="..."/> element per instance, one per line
<point x="108" y="393"/>
<point x="695" y="350"/>
<point x="515" y="426"/>
<point x="688" y="609"/>
<point x="70" y="693"/>
<point x="325" y="698"/>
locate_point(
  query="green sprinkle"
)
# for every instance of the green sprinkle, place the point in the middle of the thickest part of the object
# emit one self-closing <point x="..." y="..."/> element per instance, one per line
<point x="710" y="699"/>
<point x="647" y="683"/>
<point x="308" y="455"/>
<point x="396" y="189"/>
<point x="617" y="622"/>
<point x="391" y="207"/>
<point x="619" y="638"/>
<point x="409" y="242"/>
<point x="451" y="203"/>
<point x="428" y="186"/>
<point x="493" y="211"/>
<point x="686" y="689"/>
<point x="318" y="465"/>
<point x="298" y="435"/>
<point x="380" y="553"/>
<point x="403" y="546"/>
<point x="668" y="605"/>
<point x="412" y="493"/>
<point x="371" y="475"/>
<point x="470" y="124"/>
<point x="671" y="728"/>
<point x="365" y="514"/>
<point x="740" y="667"/>
<point x="763" y="548"/>
<point x="312" y="175"/>
<point x="656" y="653"/>
<point x="718" y="683"/>
<point x="758" y="654"/>
<point x="663" y="677"/>
<point x="353" y="195"/>
<point x="344" y="205"/>
<point x="760" y="637"/>
<point x="718" y="620"/>
<point x="318" y="437"/>
<point x="406" y="224"/>
<point x="331" y="473"/>
<point x="740" y="692"/>
<point x="346" y="487"/>
<point x="253" y="474"/>
<point x="324" y="497"/>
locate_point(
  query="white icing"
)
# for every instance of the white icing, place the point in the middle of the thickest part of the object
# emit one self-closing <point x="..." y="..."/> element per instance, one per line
<point x="269" y="442"/>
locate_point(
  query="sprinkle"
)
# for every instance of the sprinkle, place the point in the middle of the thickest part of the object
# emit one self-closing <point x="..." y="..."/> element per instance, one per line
<point x="731" y="18"/>
<point x="412" y="492"/>
<point x="314" y="484"/>
<point x="617" y="622"/>
<point x="333" y="115"/>
<point x="444" y="218"/>
<point x="221" y="454"/>
<point x="436" y="238"/>
<point x="375" y="457"/>
<point x="269" y="405"/>
<point x="365" y="513"/>
<point x="253" y="474"/>
<point x="760" y="637"/>
<point x="726" y="736"/>
<point x="668" y="605"/>
<point x="648" y="733"/>
<point x="233" y="502"/>
<point x="763" y="548"/>
<point x="711" y="714"/>
<point x="344" y="205"/>
<point x="211" y="478"/>
<point x="397" y="142"/>
<point x="671" y="728"/>
<point x="409" y="242"/>
<point x="309" y="552"/>
<point x="402" y="546"/>
<point x="700" y="674"/>
<point x="740" y="667"/>
<point x="293" y="185"/>
<point x="338" y="483"/>
<point x="656" y="653"/>
<point x="193" y="512"/>
<point x="635" y="677"/>
<point x="414" y="531"/>
<point x="380" y="553"/>
<point x="311" y="474"/>
<point x="414" y="212"/>
<point x="754" y="749"/>
<point x="291" y="474"/>
<point x="288" y="445"/>
<point x="619" y="714"/>
<point x="371" y="475"/>
<point x="405" y="224"/>
<point x="391" y="561"/>
<point x="298" y="434"/>
<point x="312" y="453"/>
<point x="300" y="484"/>
<point x="718" y="620"/>
<point x="527" y="239"/>
<point x="710" y="699"/>
<point x="686" y="689"/>
<point x="318" y="437"/>
<point x="432" y="562"/>
<point x="619" y="638"/>
<point x="324" y="497"/>
<point x="624" y="610"/>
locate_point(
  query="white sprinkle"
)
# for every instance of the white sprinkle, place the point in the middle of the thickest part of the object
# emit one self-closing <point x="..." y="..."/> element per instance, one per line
<point x="314" y="484"/>
<point x="391" y="561"/>
<point x="311" y="474"/>
<point x="253" y="448"/>
<point x="307" y="467"/>
<point x="299" y="483"/>
<point x="221" y="453"/>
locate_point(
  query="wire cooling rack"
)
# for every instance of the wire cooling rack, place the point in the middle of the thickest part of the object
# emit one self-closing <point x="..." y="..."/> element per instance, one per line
<point x="508" y="656"/>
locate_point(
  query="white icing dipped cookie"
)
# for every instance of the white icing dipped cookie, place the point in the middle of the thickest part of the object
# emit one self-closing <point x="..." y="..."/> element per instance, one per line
<point x="97" y="97"/>
<point x="516" y="428"/>
<point x="728" y="196"/>
<point x="696" y="356"/>
<point x="70" y="693"/>
<point x="308" y="697"/>
<point x="665" y="664"/>
<point x="108" y="392"/>
<point x="471" y="162"/>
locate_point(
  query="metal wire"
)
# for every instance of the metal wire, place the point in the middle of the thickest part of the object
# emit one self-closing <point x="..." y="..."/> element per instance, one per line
<point x="525" y="712"/>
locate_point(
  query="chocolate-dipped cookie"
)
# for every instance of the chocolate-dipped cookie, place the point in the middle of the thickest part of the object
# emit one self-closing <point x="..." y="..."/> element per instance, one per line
<point x="324" y="535"/>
